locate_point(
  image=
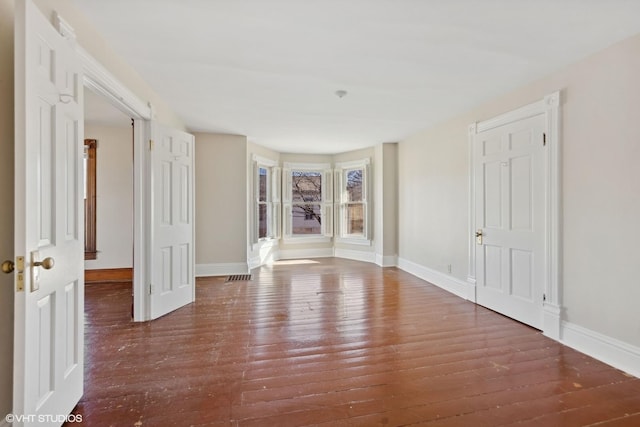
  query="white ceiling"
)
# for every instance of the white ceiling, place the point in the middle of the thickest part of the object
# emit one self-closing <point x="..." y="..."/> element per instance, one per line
<point x="269" y="69"/>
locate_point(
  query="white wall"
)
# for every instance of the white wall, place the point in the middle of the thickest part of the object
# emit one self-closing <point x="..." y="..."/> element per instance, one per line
<point x="600" y="187"/>
<point x="114" y="191"/>
<point x="221" y="204"/>
<point x="6" y="207"/>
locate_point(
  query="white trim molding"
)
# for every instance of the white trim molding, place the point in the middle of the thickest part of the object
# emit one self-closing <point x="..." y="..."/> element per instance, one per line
<point x="305" y="253"/>
<point x="611" y="351"/>
<point x="221" y="269"/>
<point x="365" y="256"/>
<point x="444" y="281"/>
<point x="549" y="106"/>
<point x="101" y="81"/>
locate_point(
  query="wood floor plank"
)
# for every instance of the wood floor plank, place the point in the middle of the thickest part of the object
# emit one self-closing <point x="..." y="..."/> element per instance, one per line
<point x="334" y="342"/>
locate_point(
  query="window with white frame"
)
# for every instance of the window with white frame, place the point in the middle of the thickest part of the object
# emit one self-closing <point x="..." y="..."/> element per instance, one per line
<point x="308" y="204"/>
<point x="352" y="216"/>
<point x="267" y="199"/>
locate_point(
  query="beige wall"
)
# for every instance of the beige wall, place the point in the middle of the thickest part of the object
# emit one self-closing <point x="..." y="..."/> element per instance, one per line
<point x="221" y="202"/>
<point x="433" y="173"/>
<point x="6" y="208"/>
<point x="600" y="188"/>
<point x="114" y="217"/>
<point x="385" y="202"/>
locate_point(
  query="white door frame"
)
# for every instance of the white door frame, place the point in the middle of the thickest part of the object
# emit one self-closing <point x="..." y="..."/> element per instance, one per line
<point x="550" y="107"/>
<point x="101" y="81"/>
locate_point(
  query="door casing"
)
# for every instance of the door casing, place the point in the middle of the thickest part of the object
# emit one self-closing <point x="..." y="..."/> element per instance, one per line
<point x="550" y="107"/>
<point x="101" y="81"/>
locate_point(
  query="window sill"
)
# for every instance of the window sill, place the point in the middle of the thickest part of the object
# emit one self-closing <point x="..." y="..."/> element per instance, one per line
<point x="268" y="242"/>
<point x="361" y="241"/>
<point x="291" y="240"/>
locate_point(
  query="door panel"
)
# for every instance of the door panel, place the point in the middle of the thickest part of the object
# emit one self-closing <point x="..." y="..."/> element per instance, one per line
<point x="521" y="183"/>
<point x="48" y="310"/>
<point x="509" y="214"/>
<point x="173" y="272"/>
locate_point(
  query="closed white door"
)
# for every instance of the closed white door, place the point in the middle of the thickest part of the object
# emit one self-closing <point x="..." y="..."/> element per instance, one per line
<point x="49" y="293"/>
<point x="509" y="219"/>
<point x="172" y="220"/>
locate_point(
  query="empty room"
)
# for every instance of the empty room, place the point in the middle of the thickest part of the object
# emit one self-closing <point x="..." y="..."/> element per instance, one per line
<point x="287" y="213"/>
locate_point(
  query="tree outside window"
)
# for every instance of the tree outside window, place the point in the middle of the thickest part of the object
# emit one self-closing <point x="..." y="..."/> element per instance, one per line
<point x="306" y="206"/>
<point x="354" y="208"/>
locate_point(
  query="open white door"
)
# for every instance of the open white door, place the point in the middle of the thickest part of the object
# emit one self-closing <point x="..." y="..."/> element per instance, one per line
<point x="49" y="293"/>
<point x="172" y="268"/>
<point x="510" y="219"/>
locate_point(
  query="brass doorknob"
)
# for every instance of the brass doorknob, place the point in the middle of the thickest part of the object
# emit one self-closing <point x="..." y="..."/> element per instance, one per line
<point x="46" y="263"/>
<point x="7" y="267"/>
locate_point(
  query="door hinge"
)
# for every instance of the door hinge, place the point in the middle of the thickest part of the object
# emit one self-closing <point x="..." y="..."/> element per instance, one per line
<point x="544" y="139"/>
<point x="151" y="144"/>
<point x="544" y="297"/>
<point x="150" y="288"/>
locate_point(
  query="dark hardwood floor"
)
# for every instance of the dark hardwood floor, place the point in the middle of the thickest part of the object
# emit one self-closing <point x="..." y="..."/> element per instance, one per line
<point x="333" y="342"/>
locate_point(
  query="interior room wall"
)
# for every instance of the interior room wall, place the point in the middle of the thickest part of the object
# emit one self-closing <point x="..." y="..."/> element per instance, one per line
<point x="385" y="203"/>
<point x="114" y="195"/>
<point x="6" y="208"/>
<point x="600" y="137"/>
<point x="221" y="203"/>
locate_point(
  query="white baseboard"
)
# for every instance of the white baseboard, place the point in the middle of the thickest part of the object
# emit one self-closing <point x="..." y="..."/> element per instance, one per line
<point x="386" y="260"/>
<point x="255" y="262"/>
<point x="448" y="283"/>
<point x="611" y="351"/>
<point x="221" y="269"/>
<point x="305" y="253"/>
<point x="365" y="256"/>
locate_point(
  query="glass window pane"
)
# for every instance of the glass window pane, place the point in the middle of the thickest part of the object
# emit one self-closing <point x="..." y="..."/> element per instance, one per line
<point x="306" y="186"/>
<point x="306" y="219"/>
<point x="354" y="185"/>
<point x="263" y="184"/>
<point x="262" y="220"/>
<point x="355" y="218"/>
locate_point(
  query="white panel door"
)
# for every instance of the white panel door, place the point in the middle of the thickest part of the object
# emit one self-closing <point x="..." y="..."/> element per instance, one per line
<point x="49" y="297"/>
<point x="172" y="220"/>
<point x="509" y="217"/>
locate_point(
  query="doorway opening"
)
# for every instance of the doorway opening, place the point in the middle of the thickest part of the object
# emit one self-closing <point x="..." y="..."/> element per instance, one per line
<point x="109" y="169"/>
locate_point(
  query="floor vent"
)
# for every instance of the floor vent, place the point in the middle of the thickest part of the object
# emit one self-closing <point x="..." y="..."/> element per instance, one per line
<point x="238" y="277"/>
